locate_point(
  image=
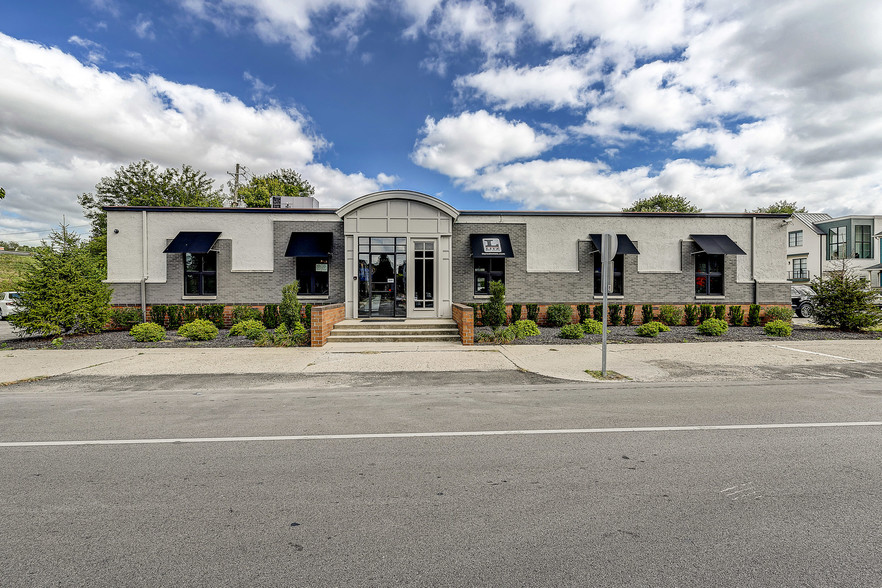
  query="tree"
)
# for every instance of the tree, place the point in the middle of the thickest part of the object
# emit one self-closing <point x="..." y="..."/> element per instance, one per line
<point x="780" y="207"/>
<point x="844" y="300"/>
<point x="494" y="312"/>
<point x="662" y="203"/>
<point x="144" y="184"/>
<point x="257" y="193"/>
<point x="2" y="193"/>
<point x="62" y="291"/>
<point x="289" y="309"/>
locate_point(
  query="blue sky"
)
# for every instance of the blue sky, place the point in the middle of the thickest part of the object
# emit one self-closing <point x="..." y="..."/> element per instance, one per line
<point x="517" y="104"/>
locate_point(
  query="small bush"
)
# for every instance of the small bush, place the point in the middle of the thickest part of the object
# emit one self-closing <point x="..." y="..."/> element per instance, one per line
<point x="189" y="313"/>
<point x="720" y="312"/>
<point x="213" y="313"/>
<point x="271" y="318"/>
<point x="175" y="316"/>
<point x="670" y="315"/>
<point x="779" y="313"/>
<point x="251" y="329"/>
<point x="515" y="313"/>
<point x="736" y="316"/>
<point x="629" y="314"/>
<point x="597" y="312"/>
<point x="494" y="314"/>
<point x="649" y="329"/>
<point x="691" y="314"/>
<point x="307" y="316"/>
<point x="124" y="318"/>
<point x="158" y="314"/>
<point x="592" y="327"/>
<point x="506" y="335"/>
<point x="584" y="311"/>
<point x="778" y="328"/>
<point x="753" y="315"/>
<point x="646" y="313"/>
<point x="289" y="310"/>
<point x="282" y="337"/>
<point x="705" y="311"/>
<point x="559" y="314"/>
<point x="572" y="331"/>
<point x="198" y="330"/>
<point x="245" y="313"/>
<point x="713" y="327"/>
<point x="147" y="332"/>
<point x="533" y="313"/>
<point x="615" y="316"/>
<point x="525" y="328"/>
<point x="844" y="300"/>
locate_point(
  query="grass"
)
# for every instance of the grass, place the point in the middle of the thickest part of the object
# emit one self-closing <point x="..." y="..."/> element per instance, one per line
<point x="11" y="269"/>
<point x="610" y="375"/>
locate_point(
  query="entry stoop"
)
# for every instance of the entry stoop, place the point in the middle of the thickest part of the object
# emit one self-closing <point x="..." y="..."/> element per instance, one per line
<point x="394" y="331"/>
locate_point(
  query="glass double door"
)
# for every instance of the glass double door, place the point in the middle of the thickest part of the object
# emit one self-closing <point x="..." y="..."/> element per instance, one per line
<point x="382" y="277"/>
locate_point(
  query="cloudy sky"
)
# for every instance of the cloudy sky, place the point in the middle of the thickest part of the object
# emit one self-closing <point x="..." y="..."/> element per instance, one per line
<point x="513" y="104"/>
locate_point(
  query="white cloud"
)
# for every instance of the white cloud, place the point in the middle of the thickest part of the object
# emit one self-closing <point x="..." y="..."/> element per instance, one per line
<point x="144" y="28"/>
<point x="458" y="146"/>
<point x="95" y="52"/>
<point x="65" y="125"/>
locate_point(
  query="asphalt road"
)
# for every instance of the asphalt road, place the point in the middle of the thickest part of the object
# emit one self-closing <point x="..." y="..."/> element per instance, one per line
<point x="671" y="506"/>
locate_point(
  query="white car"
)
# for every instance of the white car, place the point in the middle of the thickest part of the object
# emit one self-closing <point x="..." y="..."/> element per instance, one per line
<point x="8" y="303"/>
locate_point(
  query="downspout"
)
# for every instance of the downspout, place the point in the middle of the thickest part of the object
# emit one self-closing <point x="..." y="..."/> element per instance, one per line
<point x="753" y="258"/>
<point x="144" y="266"/>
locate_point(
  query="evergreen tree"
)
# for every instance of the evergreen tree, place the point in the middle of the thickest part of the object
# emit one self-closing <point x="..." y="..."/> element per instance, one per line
<point x="844" y="300"/>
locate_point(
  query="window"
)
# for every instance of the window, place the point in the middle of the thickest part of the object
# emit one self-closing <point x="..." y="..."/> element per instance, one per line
<point x="800" y="269"/>
<point x="488" y="269"/>
<point x="794" y="239"/>
<point x="836" y="245"/>
<point x="200" y="274"/>
<point x="708" y="274"/>
<point x="312" y="275"/>
<point x="863" y="243"/>
<point x="424" y="274"/>
<point x="618" y="272"/>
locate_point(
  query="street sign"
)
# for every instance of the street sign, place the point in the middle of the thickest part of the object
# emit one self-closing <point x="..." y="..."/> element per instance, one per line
<point x="609" y="244"/>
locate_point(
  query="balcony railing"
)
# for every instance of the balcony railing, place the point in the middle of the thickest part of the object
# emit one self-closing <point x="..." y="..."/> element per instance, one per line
<point x="799" y="276"/>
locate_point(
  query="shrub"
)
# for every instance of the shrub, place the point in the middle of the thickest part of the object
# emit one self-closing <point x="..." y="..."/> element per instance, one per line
<point x="533" y="313"/>
<point x="670" y="315"/>
<point x="495" y="315"/>
<point x="481" y="315"/>
<point x="525" y="328"/>
<point x="271" y="318"/>
<point x="559" y="314"/>
<point x="584" y="312"/>
<point x="592" y="327"/>
<point x="662" y="328"/>
<point x="705" y="311"/>
<point x="779" y="313"/>
<point x="515" y="313"/>
<point x="245" y="313"/>
<point x="147" y="332"/>
<point x="597" y="312"/>
<point x="753" y="315"/>
<point x="646" y="313"/>
<point x="175" y="316"/>
<point x="691" y="313"/>
<point x="736" y="316"/>
<point x="283" y="337"/>
<point x="629" y="314"/>
<point x="213" y="313"/>
<point x="649" y="329"/>
<point x="250" y="328"/>
<point x="158" y="314"/>
<point x="289" y="310"/>
<point x="189" y="313"/>
<point x="198" y="330"/>
<point x="713" y="327"/>
<point x="572" y="331"/>
<point x="615" y="316"/>
<point x="506" y="335"/>
<point x="307" y="317"/>
<point x="778" y="328"/>
<point x="124" y="318"/>
<point x="720" y="312"/>
<point x="844" y="300"/>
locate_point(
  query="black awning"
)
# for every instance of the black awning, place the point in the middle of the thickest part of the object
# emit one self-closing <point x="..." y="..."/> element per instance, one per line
<point x="309" y="245"/>
<point x="625" y="245"/>
<point x="192" y="242"/>
<point x="491" y="246"/>
<point x="717" y="244"/>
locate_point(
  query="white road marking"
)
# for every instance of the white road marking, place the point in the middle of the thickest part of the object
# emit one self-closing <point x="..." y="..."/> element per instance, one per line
<point x="818" y="353"/>
<point x="439" y="434"/>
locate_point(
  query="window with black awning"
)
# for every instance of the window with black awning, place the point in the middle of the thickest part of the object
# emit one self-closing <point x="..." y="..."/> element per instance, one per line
<point x="193" y="242"/>
<point x="717" y="245"/>
<point x="491" y="246"/>
<point x="310" y="245"/>
<point x="625" y="244"/>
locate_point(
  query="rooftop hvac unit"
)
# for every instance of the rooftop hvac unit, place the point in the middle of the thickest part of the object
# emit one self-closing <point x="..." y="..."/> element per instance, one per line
<point x="293" y="202"/>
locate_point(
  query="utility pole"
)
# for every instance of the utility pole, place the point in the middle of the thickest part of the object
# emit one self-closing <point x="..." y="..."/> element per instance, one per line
<point x="240" y="170"/>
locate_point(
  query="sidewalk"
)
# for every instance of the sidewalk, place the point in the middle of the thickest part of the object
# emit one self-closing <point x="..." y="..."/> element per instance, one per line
<point x="687" y="362"/>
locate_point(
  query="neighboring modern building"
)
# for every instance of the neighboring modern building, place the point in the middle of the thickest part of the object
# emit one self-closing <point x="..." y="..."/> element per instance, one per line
<point x="406" y="254"/>
<point x="805" y="246"/>
<point x="817" y="243"/>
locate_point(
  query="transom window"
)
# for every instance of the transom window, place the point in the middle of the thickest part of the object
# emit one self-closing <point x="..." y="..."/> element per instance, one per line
<point x="618" y="281"/>
<point x="488" y="269"/>
<point x="312" y="275"/>
<point x="794" y="239"/>
<point x="709" y="274"/>
<point x="200" y="274"/>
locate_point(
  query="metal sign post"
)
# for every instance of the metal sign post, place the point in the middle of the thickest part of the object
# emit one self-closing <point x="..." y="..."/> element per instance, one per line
<point x="608" y="247"/>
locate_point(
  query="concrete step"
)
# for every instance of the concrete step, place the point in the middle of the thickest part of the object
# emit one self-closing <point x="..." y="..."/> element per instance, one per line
<point x="394" y="331"/>
<point x="390" y="339"/>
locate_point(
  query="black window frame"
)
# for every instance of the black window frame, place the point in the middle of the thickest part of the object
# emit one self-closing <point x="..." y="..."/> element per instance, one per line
<point x="863" y="248"/>
<point x="307" y="276"/>
<point x="494" y="272"/>
<point x="794" y="239"/>
<point x="802" y="272"/>
<point x="200" y="274"/>
<point x="707" y="274"/>
<point x="840" y="244"/>
<point x="618" y="275"/>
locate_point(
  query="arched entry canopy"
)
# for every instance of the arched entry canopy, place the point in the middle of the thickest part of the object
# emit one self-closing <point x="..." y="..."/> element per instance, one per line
<point x="398" y="255"/>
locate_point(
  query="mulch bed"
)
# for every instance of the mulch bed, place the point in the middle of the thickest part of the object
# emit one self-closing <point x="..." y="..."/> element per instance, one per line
<point x="122" y="340"/>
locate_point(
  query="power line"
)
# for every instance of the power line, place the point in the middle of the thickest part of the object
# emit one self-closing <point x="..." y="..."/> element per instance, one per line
<point x="47" y="231"/>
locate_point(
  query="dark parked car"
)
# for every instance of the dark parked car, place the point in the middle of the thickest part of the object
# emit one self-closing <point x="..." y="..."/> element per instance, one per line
<point x="801" y="299"/>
